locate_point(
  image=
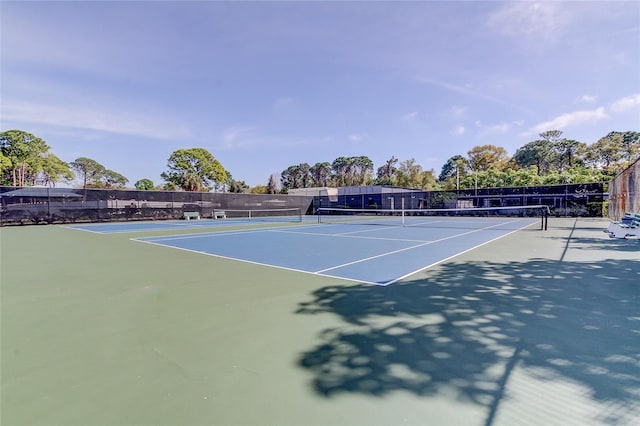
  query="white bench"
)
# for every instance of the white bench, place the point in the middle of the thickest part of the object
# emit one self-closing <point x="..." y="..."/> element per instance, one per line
<point x="191" y="215"/>
<point x="627" y="229"/>
<point x="220" y="214"/>
<point x="626" y="219"/>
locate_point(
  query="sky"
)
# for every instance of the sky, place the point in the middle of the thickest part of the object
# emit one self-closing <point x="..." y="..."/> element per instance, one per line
<point x="266" y="85"/>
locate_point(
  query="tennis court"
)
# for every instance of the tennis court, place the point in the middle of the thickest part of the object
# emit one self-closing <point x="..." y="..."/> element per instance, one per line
<point x="367" y="253"/>
<point x="471" y="321"/>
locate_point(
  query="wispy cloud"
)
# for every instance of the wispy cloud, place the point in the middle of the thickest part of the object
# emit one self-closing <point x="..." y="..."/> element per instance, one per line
<point x="120" y="122"/>
<point x="237" y="137"/>
<point x="410" y="116"/>
<point x="571" y="119"/>
<point x="243" y="137"/>
<point x="283" y="103"/>
<point x="534" y="20"/>
<point x="626" y="103"/>
<point x="458" y="111"/>
<point x="496" y="129"/>
<point x="459" y="131"/>
<point x="357" y="137"/>
<point x="467" y="90"/>
<point x="586" y="99"/>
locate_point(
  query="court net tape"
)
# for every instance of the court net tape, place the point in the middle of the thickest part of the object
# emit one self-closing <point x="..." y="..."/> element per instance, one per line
<point x="427" y="217"/>
<point x="267" y="215"/>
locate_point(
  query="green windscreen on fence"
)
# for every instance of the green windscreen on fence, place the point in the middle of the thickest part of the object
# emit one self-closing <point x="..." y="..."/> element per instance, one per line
<point x="71" y="205"/>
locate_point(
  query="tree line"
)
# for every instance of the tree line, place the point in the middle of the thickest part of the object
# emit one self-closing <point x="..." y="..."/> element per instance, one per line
<point x="552" y="159"/>
<point x="357" y="171"/>
<point x="27" y="160"/>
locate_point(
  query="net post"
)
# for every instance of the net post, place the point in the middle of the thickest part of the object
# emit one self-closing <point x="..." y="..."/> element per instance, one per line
<point x="544" y="218"/>
<point x="402" y="209"/>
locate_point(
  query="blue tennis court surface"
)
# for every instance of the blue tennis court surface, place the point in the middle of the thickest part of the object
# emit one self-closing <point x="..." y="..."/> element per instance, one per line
<point x="364" y="252"/>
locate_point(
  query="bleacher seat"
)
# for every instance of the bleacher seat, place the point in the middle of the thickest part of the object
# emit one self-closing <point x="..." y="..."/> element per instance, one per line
<point x="623" y="230"/>
<point x="626" y="219"/>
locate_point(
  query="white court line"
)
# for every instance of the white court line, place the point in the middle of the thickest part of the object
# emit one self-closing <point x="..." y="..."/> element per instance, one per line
<point x="368" y="230"/>
<point x="252" y="262"/>
<point x="198" y="235"/>
<point x="348" y="235"/>
<point x="424" y="244"/>
<point x="171" y="225"/>
<point x="377" y="228"/>
<point x="222" y="233"/>
<point x="423" y="223"/>
<point x="157" y="227"/>
<point x="455" y="255"/>
<point x="83" y="230"/>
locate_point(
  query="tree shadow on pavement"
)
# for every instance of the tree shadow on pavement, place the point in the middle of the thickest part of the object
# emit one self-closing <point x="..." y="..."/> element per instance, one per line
<point x="466" y="325"/>
<point x="616" y="244"/>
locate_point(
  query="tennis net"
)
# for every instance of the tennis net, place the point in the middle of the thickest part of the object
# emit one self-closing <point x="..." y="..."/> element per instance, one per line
<point x="266" y="215"/>
<point x="436" y="218"/>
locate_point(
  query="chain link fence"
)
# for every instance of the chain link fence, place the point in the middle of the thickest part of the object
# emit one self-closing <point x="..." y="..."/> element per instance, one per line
<point x="562" y="200"/>
<point x="32" y="205"/>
